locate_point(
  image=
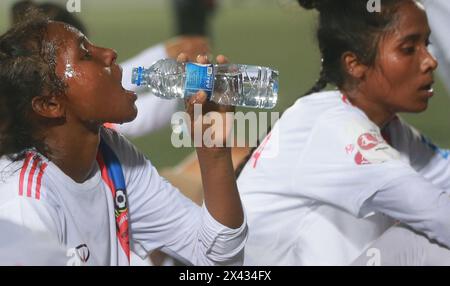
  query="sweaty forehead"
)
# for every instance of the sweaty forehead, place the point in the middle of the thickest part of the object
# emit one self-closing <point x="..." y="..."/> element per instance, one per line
<point x="64" y="37"/>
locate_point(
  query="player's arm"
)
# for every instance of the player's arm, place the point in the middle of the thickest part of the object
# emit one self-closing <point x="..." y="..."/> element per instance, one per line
<point x="162" y="218"/>
<point x="430" y="161"/>
<point x="416" y="202"/>
<point x="363" y="174"/>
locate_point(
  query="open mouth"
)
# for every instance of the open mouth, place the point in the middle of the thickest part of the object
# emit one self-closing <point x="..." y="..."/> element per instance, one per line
<point x="132" y="94"/>
<point x="427" y="88"/>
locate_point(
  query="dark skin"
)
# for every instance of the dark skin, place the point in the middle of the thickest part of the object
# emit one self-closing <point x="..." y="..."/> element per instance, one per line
<point x="402" y="77"/>
<point x="95" y="96"/>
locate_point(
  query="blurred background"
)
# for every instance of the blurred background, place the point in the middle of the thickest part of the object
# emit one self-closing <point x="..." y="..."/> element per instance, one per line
<point x="275" y="33"/>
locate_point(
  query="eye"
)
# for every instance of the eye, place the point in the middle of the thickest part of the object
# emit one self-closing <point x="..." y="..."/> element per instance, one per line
<point x="409" y="50"/>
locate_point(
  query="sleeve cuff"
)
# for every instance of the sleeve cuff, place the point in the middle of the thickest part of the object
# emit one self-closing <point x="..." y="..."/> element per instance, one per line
<point x="226" y="245"/>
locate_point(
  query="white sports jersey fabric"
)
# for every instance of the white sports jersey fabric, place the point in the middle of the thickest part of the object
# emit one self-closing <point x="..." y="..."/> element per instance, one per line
<point x="153" y="112"/>
<point x="438" y="12"/>
<point x="37" y="195"/>
<point x="317" y="189"/>
<point x="28" y="248"/>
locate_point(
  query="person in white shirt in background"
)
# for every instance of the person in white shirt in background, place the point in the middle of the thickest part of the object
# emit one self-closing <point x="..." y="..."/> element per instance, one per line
<point x="340" y="167"/>
<point x="192" y="30"/>
<point x="438" y="12"/>
<point x="65" y="174"/>
<point x="403" y="246"/>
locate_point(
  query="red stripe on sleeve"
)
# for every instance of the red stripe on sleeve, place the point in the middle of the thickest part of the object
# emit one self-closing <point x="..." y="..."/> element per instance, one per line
<point x="39" y="180"/>
<point x="31" y="175"/>
<point x="23" y="171"/>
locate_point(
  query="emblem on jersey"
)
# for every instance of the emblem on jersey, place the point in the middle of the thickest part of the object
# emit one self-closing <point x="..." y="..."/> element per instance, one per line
<point x="83" y="252"/>
<point x="360" y="160"/>
<point x="121" y="201"/>
<point x="367" y="141"/>
<point x="78" y="255"/>
<point x="372" y="149"/>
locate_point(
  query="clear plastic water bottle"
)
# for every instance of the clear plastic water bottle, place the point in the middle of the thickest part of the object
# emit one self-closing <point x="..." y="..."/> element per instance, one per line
<point x="226" y="84"/>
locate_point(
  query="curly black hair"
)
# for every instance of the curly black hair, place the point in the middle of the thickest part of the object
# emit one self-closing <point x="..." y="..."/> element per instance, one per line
<point x="27" y="70"/>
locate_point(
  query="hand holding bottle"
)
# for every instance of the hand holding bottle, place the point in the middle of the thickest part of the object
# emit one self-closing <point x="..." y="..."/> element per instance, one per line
<point x="215" y="119"/>
<point x="225" y="84"/>
<point x="219" y="182"/>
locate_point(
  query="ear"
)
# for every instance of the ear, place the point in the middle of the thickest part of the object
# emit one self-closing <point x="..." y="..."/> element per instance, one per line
<point x="353" y="66"/>
<point x="48" y="106"/>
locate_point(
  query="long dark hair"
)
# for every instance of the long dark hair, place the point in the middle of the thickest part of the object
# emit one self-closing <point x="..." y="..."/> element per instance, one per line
<point x="27" y="70"/>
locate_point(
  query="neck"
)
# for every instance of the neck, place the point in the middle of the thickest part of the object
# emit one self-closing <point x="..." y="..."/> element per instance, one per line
<point x="73" y="150"/>
<point x="375" y="111"/>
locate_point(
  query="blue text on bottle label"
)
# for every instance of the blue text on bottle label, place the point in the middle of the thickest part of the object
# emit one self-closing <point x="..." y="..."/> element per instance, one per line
<point x="199" y="77"/>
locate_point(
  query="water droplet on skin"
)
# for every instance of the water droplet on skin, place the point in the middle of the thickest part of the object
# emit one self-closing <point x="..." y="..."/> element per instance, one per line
<point x="69" y="72"/>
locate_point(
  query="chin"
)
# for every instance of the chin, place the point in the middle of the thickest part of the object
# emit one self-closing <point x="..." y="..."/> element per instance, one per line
<point x="419" y="108"/>
<point x="130" y="117"/>
<point x="125" y="118"/>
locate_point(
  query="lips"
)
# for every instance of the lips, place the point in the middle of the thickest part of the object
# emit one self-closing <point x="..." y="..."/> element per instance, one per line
<point x="427" y="85"/>
<point x="130" y="93"/>
<point x="427" y="88"/>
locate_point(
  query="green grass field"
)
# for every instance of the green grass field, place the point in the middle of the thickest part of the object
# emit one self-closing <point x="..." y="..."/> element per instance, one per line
<point x="263" y="32"/>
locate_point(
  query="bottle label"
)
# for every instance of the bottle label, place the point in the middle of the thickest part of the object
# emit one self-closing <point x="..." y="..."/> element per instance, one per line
<point x="199" y="77"/>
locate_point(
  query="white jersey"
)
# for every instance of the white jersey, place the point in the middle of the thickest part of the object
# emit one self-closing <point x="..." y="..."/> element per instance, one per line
<point x="153" y="112"/>
<point x="317" y="189"/>
<point x="438" y="12"/>
<point x="36" y="194"/>
<point x="45" y="250"/>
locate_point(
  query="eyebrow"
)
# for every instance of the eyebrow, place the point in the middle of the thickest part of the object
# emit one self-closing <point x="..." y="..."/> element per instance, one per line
<point x="414" y="37"/>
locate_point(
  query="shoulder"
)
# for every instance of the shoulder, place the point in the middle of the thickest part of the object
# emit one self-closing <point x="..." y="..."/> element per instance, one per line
<point x="346" y="124"/>
<point x="346" y="133"/>
<point x="323" y="105"/>
<point x="26" y="181"/>
<point x="345" y="120"/>
<point x="23" y="178"/>
<point x="24" y="197"/>
<point x="305" y="112"/>
<point x="321" y="100"/>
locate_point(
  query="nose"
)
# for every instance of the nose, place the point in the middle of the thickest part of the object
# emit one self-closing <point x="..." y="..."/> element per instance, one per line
<point x="429" y="63"/>
<point x="109" y="56"/>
